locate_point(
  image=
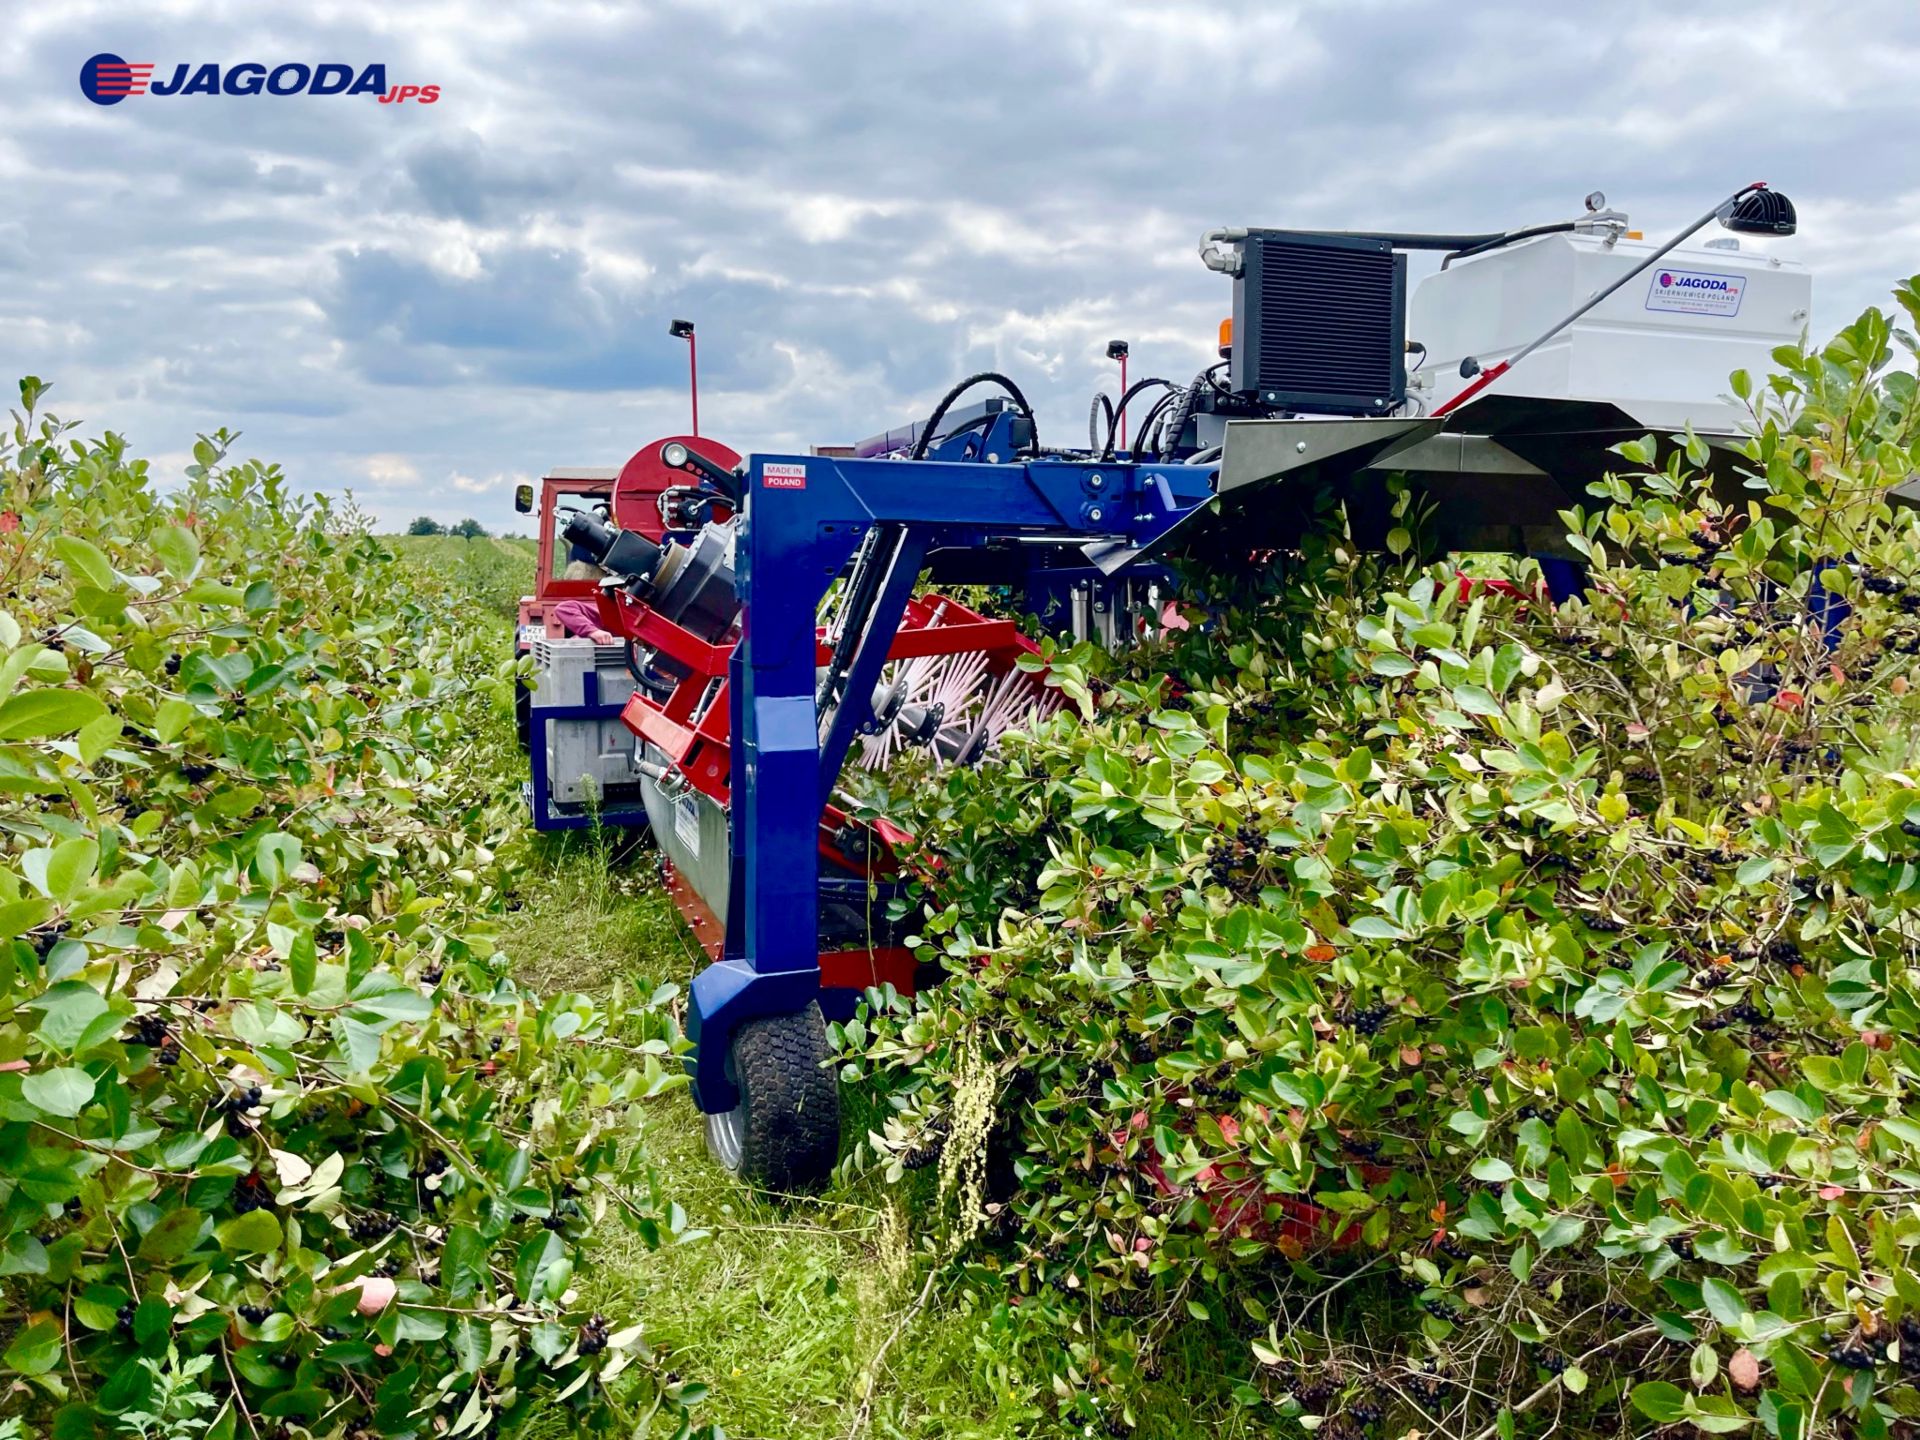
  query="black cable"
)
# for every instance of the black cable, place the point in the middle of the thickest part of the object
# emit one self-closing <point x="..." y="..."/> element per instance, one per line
<point x="1176" y="422"/>
<point x="1398" y="239"/>
<point x="1510" y="238"/>
<point x="1100" y="402"/>
<point x="875" y="557"/>
<point x="1144" y="434"/>
<point x="926" y="436"/>
<point x="1120" y="410"/>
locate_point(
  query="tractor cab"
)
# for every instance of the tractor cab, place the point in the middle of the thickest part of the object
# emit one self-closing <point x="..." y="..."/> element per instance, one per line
<point x="562" y="490"/>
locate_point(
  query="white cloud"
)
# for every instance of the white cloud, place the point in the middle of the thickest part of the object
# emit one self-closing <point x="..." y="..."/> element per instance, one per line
<point x="857" y="202"/>
<point x="390" y="472"/>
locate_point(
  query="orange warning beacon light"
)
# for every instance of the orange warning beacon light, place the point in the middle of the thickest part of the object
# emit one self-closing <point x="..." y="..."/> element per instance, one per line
<point x="1226" y="337"/>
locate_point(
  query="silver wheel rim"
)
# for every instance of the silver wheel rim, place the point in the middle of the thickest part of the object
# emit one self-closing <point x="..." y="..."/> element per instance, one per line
<point x="726" y="1135"/>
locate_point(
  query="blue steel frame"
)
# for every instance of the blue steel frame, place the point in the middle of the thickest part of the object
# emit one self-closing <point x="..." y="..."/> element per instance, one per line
<point x="540" y="785"/>
<point x="797" y="532"/>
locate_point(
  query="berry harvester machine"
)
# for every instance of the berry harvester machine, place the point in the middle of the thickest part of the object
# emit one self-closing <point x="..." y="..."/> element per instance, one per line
<point x="772" y="627"/>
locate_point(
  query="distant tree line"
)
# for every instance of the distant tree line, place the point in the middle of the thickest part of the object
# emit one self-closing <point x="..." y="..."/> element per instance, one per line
<point x="468" y="529"/>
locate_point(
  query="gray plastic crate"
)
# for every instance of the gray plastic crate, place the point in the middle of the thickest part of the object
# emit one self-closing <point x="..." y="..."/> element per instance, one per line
<point x="584" y="755"/>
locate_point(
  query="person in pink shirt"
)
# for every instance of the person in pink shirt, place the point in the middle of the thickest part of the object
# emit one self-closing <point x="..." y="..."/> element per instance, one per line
<point x="581" y="617"/>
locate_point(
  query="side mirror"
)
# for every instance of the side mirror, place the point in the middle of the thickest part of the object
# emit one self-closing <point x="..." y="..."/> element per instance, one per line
<point x="523" y="499"/>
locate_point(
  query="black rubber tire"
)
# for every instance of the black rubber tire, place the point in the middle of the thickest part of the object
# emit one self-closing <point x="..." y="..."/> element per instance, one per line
<point x="523" y="712"/>
<point x="789" y="1114"/>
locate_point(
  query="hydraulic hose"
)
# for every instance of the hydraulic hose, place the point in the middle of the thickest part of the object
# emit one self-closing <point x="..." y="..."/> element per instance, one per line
<point x="1512" y="237"/>
<point x="1176" y="422"/>
<point x="1143" y="438"/>
<point x="874" y="558"/>
<point x="1100" y="402"/>
<point x="1120" y="410"/>
<point x="928" y="432"/>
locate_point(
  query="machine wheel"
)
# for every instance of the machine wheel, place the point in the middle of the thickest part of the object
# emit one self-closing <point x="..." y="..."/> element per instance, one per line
<point x="785" y="1132"/>
<point x="523" y="712"/>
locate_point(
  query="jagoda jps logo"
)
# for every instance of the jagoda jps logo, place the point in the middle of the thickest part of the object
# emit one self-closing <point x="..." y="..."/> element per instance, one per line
<point x="106" y="79"/>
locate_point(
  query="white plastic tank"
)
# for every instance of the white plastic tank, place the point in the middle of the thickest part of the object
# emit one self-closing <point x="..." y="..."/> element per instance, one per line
<point x="1661" y="349"/>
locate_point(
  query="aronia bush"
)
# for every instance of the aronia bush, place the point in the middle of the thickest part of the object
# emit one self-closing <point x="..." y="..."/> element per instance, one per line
<point x="1501" y="1015"/>
<point x="283" y="1149"/>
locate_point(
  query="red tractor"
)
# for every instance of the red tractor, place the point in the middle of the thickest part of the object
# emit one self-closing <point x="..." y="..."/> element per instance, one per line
<point x="568" y="710"/>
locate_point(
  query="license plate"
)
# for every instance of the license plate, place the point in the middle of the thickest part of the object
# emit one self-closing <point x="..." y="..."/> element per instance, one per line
<point x="531" y="633"/>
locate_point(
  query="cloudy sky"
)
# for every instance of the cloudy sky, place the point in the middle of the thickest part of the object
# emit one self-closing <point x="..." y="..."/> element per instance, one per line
<point x="856" y="202"/>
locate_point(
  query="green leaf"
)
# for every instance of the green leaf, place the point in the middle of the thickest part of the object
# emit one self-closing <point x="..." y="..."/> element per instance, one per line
<point x="1466" y="1123"/>
<point x="1722" y="1300"/>
<point x="1659" y="1401"/>
<point x="537" y="1257"/>
<point x="396" y="1005"/>
<point x="275" y="857"/>
<point x="1790" y="1105"/>
<point x="172" y="1236"/>
<point x="1570" y="1133"/>
<point x="87" y="561"/>
<point x="19" y="916"/>
<point x="39" y="714"/>
<point x="1562" y="1231"/>
<point x="177" y="549"/>
<point x="131" y="1386"/>
<point x="70" y="868"/>
<point x="1840" y="1242"/>
<point x="67" y="1009"/>
<point x="96" y="1308"/>
<point x="98" y="736"/>
<point x="1717" y="1417"/>
<point x="362" y="1043"/>
<point x="255" y="1233"/>
<point x="275" y="1328"/>
<point x="1472" y="700"/>
<point x="303" y="962"/>
<point x="1752" y="872"/>
<point x="1376" y="927"/>
<point x="64" y="1092"/>
<point x="463" y="1262"/>
<point x="213" y="592"/>
<point x="469" y="1347"/>
<point x="172" y="718"/>
<point x="36" y="1349"/>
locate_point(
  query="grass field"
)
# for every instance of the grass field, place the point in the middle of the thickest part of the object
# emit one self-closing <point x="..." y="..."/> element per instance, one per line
<point x="496" y="570"/>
